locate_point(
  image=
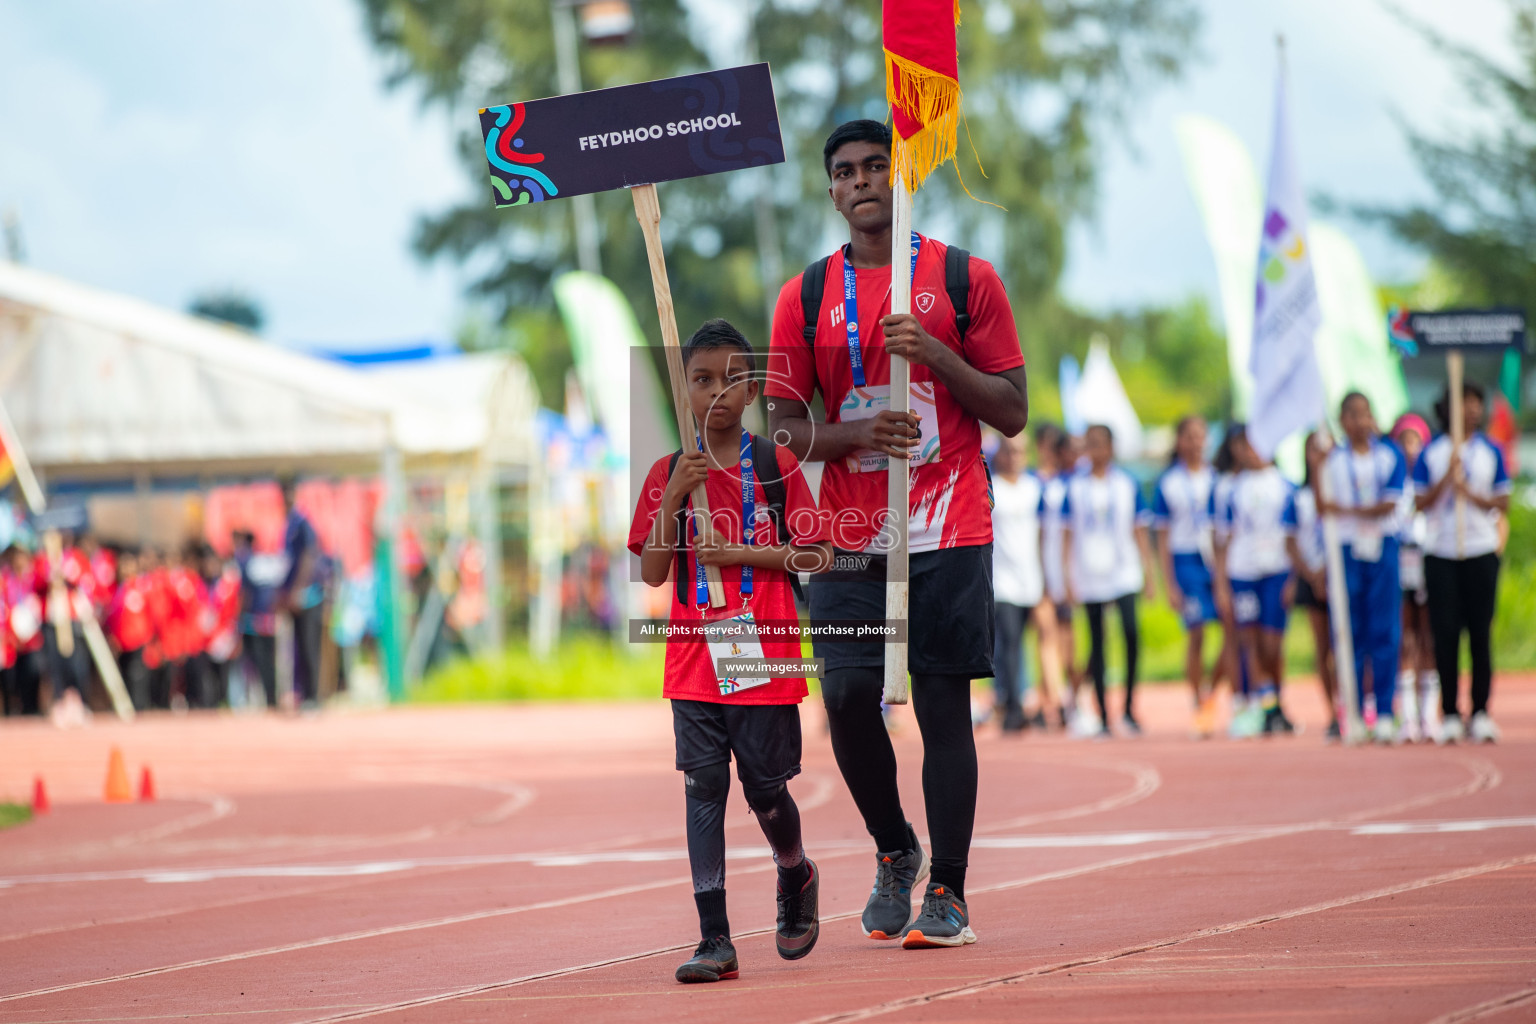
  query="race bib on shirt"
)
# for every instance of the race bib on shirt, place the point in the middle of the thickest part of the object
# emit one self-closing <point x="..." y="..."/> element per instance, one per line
<point x="864" y="403"/>
<point x="25" y="621"/>
<point x="733" y="638"/>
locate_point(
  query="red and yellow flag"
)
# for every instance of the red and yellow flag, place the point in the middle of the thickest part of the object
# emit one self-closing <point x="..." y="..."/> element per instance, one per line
<point x="922" y="83"/>
<point x="7" y="467"/>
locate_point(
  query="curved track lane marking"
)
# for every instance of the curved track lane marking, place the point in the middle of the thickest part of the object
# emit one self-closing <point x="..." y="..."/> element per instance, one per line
<point x="219" y="807"/>
<point x="1485" y="776"/>
<point x="975" y="987"/>
<point x="1491" y="1008"/>
<point x="1145" y="780"/>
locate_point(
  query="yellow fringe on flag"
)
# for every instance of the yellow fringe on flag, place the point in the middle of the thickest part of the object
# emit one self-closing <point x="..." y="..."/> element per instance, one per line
<point x="935" y="100"/>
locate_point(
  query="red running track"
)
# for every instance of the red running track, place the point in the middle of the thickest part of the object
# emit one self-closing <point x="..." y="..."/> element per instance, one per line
<point x="527" y="863"/>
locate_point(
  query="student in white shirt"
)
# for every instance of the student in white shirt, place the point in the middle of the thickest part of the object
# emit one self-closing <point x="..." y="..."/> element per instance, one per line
<point x="1055" y="449"/>
<point x="1462" y="572"/>
<point x="1018" y="583"/>
<point x="1418" y="684"/>
<point x="1181" y="514"/>
<point x="1365" y="485"/>
<point x="1309" y="571"/>
<point x="1253" y="519"/>
<point x="1109" y="559"/>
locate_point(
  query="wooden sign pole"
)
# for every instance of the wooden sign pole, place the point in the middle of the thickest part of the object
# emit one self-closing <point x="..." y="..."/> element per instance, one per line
<point x="1454" y="367"/>
<point x="95" y="640"/>
<point x="648" y="213"/>
<point x="899" y="482"/>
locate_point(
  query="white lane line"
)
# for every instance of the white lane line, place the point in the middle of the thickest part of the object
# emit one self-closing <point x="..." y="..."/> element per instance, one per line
<point x="1145" y="780"/>
<point x="973" y="988"/>
<point x="368" y="933"/>
<point x="1069" y="841"/>
<point x="1484" y="776"/>
<point x="1491" y="1008"/>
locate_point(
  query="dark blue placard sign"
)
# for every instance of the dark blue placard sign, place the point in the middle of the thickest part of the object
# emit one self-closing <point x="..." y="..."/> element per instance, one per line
<point x="1415" y="333"/>
<point x="632" y="135"/>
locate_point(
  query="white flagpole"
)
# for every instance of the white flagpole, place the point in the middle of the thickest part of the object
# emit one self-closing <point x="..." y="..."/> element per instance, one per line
<point x="898" y="482"/>
<point x="1351" y="728"/>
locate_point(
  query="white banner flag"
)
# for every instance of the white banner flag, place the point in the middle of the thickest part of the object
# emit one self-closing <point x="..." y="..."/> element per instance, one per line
<point x="1288" y="388"/>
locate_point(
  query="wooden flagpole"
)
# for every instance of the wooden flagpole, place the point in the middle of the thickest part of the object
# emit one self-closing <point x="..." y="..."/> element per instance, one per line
<point x="95" y="640"/>
<point x="648" y="213"/>
<point x="899" y="482"/>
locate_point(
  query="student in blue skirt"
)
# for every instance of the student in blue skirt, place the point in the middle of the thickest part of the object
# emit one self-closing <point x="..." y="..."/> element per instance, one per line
<point x="1181" y="516"/>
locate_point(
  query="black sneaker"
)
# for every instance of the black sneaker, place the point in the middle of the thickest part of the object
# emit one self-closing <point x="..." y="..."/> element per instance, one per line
<point x="713" y="960"/>
<point x="1332" y="735"/>
<point x="943" y="922"/>
<point x="1276" y="724"/>
<point x="890" y="902"/>
<point x="798" y="925"/>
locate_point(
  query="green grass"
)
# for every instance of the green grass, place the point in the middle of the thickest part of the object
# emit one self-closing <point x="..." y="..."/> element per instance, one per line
<point x="584" y="668"/>
<point x="14" y="814"/>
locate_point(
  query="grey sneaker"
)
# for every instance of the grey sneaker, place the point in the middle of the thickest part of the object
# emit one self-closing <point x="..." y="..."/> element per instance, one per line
<point x="713" y="960"/>
<point x="889" y="908"/>
<point x="945" y="921"/>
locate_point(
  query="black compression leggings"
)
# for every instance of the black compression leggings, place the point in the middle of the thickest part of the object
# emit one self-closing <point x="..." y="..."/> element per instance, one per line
<point x="1126" y="605"/>
<point x="707" y="789"/>
<point x="864" y="754"/>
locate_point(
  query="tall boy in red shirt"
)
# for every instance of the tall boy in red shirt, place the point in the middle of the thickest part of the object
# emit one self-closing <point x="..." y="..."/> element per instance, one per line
<point x="714" y="718"/>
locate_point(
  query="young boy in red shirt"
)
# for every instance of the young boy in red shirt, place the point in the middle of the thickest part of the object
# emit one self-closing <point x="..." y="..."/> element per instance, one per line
<point x="713" y="716"/>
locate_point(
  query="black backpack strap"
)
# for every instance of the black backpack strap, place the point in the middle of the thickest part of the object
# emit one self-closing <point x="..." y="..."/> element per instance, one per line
<point x="813" y="282"/>
<point x="765" y="462"/>
<point x="957" y="285"/>
<point x="683" y="579"/>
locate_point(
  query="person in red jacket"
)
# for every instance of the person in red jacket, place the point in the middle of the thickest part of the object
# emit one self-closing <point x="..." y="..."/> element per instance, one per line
<point x="64" y="584"/>
<point x="130" y="628"/>
<point x="184" y="639"/>
<point x="217" y="630"/>
<point x="23" y="629"/>
<point x="157" y="658"/>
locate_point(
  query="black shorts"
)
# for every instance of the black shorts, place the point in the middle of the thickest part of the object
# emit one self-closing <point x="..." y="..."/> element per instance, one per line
<point x="949" y="611"/>
<point x="1306" y="597"/>
<point x="765" y="738"/>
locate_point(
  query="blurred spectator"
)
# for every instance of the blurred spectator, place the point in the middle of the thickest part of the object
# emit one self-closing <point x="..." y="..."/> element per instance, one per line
<point x="302" y="596"/>
<point x="131" y="630"/>
<point x="261" y="577"/>
<point x="23" y="632"/>
<point x="63" y="582"/>
<point x="218" y="624"/>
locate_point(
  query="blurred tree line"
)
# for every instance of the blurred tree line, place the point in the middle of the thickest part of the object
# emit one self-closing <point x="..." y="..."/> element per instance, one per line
<point x="1048" y="85"/>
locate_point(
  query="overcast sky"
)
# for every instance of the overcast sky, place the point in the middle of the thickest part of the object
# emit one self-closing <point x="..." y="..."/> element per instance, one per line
<point x="166" y="147"/>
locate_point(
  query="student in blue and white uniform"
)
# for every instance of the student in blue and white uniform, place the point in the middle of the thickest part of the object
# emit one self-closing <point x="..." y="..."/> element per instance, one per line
<point x="1109" y="559"/>
<point x="1253" y="519"/>
<point x="1309" y="570"/>
<point x="1365" y="486"/>
<point x="1181" y="514"/>
<point x="1462" y="574"/>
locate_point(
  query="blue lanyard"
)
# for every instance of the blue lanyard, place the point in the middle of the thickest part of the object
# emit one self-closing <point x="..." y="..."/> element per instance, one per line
<point x="1354" y="481"/>
<point x="748" y="514"/>
<point x="1090" y="514"/>
<point x="851" y="308"/>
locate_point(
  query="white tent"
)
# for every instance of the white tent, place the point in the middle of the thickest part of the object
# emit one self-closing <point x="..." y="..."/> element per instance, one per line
<point x="103" y="386"/>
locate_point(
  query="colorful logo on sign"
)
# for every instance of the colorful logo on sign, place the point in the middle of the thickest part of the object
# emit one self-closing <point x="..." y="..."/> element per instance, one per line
<point x="1280" y="249"/>
<point x="503" y="148"/>
<point x="1400" y="331"/>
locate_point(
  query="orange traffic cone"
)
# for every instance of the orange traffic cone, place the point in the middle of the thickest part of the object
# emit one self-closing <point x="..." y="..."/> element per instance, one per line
<point x="146" y="787"/>
<point x="40" y="804"/>
<point x="118" y="789"/>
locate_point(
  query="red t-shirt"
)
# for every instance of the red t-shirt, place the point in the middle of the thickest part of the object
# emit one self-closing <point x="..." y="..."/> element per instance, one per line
<point x="129" y="621"/>
<point x="690" y="670"/>
<point x="949" y="506"/>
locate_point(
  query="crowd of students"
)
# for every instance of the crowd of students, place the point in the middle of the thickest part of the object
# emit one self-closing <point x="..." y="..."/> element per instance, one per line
<point x="1238" y="546"/>
<point x="176" y="626"/>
